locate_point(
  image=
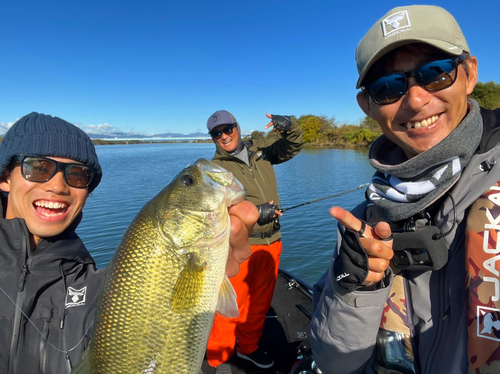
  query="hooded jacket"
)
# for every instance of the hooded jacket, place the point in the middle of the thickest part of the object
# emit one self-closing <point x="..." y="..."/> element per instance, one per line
<point x="258" y="177"/>
<point x="47" y="300"/>
<point x="344" y="325"/>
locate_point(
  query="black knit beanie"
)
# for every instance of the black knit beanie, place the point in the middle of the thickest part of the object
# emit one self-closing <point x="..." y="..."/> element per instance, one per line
<point x="42" y="135"/>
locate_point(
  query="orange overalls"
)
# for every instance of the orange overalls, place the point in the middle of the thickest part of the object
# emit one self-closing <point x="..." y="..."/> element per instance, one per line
<point x="254" y="286"/>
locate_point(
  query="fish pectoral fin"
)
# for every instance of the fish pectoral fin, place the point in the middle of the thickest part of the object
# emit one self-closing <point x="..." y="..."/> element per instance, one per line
<point x="189" y="285"/>
<point x="227" y="305"/>
<point x="83" y="367"/>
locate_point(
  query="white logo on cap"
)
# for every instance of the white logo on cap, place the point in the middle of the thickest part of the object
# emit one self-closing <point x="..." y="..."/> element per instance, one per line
<point x="395" y="22"/>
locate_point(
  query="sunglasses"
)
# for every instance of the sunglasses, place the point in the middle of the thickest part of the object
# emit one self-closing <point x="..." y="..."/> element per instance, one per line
<point x="432" y="76"/>
<point x="41" y="169"/>
<point x="226" y="130"/>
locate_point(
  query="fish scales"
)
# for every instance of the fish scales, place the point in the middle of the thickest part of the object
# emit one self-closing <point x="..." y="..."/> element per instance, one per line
<point x="162" y="285"/>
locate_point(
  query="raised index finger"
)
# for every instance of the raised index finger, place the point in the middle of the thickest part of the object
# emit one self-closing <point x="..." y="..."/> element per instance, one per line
<point x="348" y="220"/>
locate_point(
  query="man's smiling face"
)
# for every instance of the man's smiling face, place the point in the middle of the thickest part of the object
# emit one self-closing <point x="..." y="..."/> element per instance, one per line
<point x="49" y="207"/>
<point x="228" y="142"/>
<point x="421" y="119"/>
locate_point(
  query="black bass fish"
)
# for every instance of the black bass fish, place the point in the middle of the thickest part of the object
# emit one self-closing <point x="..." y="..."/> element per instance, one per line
<point x="167" y="278"/>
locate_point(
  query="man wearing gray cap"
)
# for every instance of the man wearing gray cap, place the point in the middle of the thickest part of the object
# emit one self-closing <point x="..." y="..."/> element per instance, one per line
<point x="252" y="162"/>
<point x="414" y="286"/>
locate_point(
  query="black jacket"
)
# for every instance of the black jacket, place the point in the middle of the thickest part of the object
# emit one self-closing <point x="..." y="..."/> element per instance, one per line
<point x="56" y="286"/>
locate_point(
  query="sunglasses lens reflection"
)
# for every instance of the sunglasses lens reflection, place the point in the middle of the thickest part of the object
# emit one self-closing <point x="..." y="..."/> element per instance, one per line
<point x="39" y="169"/>
<point x="226" y="130"/>
<point x="433" y="76"/>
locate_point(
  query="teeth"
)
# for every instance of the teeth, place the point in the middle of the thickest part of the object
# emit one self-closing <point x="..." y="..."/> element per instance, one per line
<point x="50" y="204"/>
<point x="424" y="123"/>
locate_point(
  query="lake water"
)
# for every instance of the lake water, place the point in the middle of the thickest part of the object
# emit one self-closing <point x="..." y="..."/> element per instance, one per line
<point x="133" y="174"/>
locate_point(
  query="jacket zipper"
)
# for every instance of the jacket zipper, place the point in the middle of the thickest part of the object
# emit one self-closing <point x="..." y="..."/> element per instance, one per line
<point x="43" y="345"/>
<point x="21" y="296"/>
<point x="257" y="156"/>
<point x="437" y="340"/>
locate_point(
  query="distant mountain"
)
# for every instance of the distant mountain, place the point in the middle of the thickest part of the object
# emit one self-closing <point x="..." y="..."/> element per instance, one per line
<point x="135" y="135"/>
<point x="107" y="131"/>
<point x="177" y="135"/>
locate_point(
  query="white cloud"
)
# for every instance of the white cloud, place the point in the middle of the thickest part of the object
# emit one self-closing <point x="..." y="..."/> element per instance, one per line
<point x="4" y="127"/>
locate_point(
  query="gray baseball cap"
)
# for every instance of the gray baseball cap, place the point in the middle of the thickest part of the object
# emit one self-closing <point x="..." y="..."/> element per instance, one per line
<point x="427" y="24"/>
<point x="221" y="117"/>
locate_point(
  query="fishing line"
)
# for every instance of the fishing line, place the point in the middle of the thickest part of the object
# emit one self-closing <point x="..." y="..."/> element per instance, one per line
<point x="327" y="197"/>
<point x="36" y="328"/>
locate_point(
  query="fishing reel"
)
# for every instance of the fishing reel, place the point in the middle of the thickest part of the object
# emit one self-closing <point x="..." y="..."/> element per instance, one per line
<point x="267" y="212"/>
<point x="276" y="223"/>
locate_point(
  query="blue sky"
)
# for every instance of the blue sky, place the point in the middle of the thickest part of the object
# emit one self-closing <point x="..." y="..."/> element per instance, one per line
<point x="156" y="66"/>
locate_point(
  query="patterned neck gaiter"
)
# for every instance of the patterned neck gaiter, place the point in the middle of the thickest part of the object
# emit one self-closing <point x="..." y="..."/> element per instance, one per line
<point x="401" y="187"/>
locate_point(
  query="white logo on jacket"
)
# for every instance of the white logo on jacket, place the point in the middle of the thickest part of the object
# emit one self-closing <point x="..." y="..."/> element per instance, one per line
<point x="488" y="323"/>
<point x="75" y="297"/>
<point x="342" y="276"/>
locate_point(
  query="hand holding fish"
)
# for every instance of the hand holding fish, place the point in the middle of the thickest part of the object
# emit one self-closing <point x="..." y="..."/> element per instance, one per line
<point x="167" y="277"/>
<point x="243" y="217"/>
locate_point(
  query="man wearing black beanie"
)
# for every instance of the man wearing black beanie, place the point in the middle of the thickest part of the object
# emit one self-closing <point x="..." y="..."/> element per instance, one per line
<point x="49" y="284"/>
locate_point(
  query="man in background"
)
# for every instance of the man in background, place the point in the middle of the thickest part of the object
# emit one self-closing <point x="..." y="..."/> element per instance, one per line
<point x="251" y="162"/>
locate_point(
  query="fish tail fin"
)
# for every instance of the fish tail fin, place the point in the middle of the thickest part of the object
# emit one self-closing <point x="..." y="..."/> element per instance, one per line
<point x="227" y="305"/>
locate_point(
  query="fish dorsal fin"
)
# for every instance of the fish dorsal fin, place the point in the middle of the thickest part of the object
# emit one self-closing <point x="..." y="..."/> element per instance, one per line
<point x="227" y="305"/>
<point x="189" y="285"/>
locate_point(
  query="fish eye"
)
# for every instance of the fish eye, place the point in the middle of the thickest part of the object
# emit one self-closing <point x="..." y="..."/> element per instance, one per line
<point x="188" y="180"/>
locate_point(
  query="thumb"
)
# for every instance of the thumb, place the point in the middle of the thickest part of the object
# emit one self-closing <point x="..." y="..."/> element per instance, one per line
<point x="384" y="233"/>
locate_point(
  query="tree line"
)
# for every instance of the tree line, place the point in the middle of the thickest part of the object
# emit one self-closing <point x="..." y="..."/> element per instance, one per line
<point x="327" y="132"/>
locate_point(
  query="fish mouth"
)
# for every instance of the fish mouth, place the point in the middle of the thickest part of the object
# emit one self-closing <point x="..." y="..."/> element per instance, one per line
<point x="223" y="180"/>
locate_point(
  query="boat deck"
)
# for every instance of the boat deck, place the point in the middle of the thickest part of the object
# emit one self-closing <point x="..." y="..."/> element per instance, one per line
<point x="285" y="330"/>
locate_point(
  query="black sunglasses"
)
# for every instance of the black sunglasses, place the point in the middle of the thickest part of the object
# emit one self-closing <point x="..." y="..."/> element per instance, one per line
<point x="41" y="169"/>
<point x="432" y="76"/>
<point x="226" y="130"/>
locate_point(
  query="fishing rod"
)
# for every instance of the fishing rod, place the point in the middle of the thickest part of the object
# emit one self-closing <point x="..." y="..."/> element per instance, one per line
<point x="327" y="197"/>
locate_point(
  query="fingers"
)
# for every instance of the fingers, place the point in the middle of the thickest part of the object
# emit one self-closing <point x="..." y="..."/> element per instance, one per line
<point x="243" y="218"/>
<point x="379" y="252"/>
<point x="246" y="212"/>
<point x="349" y="221"/>
<point x="232" y="265"/>
<point x="376" y="242"/>
<point x="239" y="247"/>
<point x="383" y="232"/>
<point x="270" y="123"/>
